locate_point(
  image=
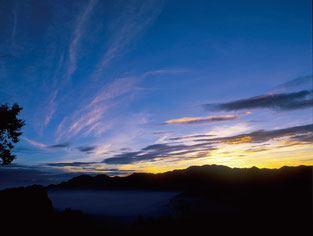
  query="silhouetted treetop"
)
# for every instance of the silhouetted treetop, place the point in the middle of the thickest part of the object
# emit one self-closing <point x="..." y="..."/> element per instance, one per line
<point x="10" y="130"/>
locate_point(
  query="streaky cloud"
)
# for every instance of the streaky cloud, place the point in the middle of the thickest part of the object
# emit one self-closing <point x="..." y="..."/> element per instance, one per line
<point x="204" y="147"/>
<point x="204" y="120"/>
<point x="299" y="134"/>
<point x="191" y="137"/>
<point x="70" y="164"/>
<point x="41" y="145"/>
<point x="157" y="152"/>
<point x="51" y="107"/>
<point x="87" y="149"/>
<point x="163" y="132"/>
<point x="302" y="80"/>
<point x="34" y="143"/>
<point x="88" y="118"/>
<point x="280" y="102"/>
<point x="60" y="145"/>
<point x="79" y="29"/>
<point x="134" y="18"/>
<point x="77" y="35"/>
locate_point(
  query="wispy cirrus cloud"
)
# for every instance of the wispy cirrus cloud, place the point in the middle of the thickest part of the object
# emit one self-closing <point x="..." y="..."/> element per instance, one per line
<point x="135" y="17"/>
<point x="51" y="107"/>
<point x="191" y="137"/>
<point x="301" y="80"/>
<point x="45" y="146"/>
<point x="204" y="120"/>
<point x="79" y="30"/>
<point x="62" y="74"/>
<point x="131" y="20"/>
<point x="163" y="132"/>
<point x="34" y="143"/>
<point x="88" y="118"/>
<point x="279" y="102"/>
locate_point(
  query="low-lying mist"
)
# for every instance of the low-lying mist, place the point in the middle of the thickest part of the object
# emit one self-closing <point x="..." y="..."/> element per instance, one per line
<point x="116" y="203"/>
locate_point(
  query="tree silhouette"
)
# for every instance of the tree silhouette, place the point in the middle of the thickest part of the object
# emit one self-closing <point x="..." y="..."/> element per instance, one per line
<point x="10" y="127"/>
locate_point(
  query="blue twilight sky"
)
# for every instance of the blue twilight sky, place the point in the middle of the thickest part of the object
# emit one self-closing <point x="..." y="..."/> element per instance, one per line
<point x="120" y="86"/>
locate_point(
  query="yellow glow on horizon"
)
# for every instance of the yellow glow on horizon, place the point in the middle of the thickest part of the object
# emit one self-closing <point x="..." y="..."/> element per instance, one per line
<point x="239" y="153"/>
<point x="236" y="156"/>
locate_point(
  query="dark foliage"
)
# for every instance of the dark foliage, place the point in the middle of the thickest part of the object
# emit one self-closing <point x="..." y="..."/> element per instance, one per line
<point x="25" y="208"/>
<point x="29" y="210"/>
<point x="10" y="130"/>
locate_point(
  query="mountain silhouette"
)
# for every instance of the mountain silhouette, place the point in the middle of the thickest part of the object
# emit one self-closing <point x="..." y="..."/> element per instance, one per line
<point x="220" y="200"/>
<point x="212" y="200"/>
<point x="207" y="177"/>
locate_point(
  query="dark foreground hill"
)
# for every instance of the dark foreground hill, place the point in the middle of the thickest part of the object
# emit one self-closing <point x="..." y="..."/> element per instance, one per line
<point x="28" y="210"/>
<point x="214" y="200"/>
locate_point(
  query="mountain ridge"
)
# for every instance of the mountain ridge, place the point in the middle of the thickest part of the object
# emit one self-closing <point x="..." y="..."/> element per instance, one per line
<point x="182" y="179"/>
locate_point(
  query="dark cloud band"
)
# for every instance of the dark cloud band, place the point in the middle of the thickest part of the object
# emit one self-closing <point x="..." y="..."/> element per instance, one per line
<point x="60" y="145"/>
<point x="281" y="101"/>
<point x="297" y="133"/>
<point x="302" y="80"/>
<point x="87" y="149"/>
<point x="156" y="152"/>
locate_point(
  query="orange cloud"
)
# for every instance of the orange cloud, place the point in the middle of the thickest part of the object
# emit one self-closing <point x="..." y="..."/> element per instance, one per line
<point x="205" y="119"/>
<point x="240" y="140"/>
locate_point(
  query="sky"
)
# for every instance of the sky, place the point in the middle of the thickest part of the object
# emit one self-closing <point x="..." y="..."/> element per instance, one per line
<point x="116" y="87"/>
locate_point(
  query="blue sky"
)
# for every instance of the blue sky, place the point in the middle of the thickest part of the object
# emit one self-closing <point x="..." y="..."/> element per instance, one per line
<point x="107" y="85"/>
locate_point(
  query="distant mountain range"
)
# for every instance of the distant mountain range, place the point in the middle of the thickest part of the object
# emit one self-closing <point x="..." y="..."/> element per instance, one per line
<point x="207" y="177"/>
<point x="221" y="200"/>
